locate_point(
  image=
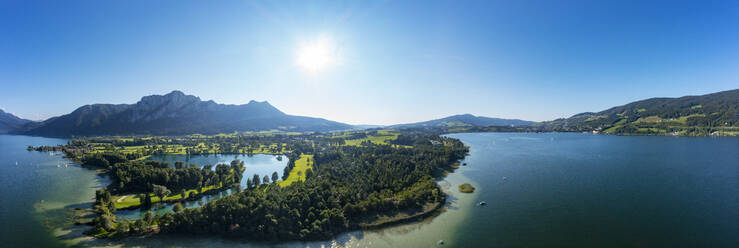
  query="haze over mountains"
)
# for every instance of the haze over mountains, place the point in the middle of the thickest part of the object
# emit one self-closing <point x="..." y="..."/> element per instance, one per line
<point x="10" y="122"/>
<point x="175" y="114"/>
<point x="705" y="113"/>
<point x="466" y="120"/>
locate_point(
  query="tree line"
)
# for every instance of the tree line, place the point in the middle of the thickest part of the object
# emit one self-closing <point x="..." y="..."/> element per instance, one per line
<point x="350" y="185"/>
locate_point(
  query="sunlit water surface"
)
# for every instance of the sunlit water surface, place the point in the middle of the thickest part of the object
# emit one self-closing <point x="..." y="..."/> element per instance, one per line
<point x="542" y="190"/>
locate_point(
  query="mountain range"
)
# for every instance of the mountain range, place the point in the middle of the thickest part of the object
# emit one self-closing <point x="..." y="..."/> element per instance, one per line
<point x="465" y="120"/>
<point x="716" y="113"/>
<point x="174" y="114"/>
<point x="177" y="114"/>
<point x="10" y="122"/>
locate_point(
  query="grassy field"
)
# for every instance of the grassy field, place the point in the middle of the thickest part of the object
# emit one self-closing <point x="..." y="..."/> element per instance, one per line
<point x="176" y="149"/>
<point x="683" y="119"/>
<point x="381" y="138"/>
<point x="298" y="173"/>
<point x="646" y="121"/>
<point x="652" y="118"/>
<point x="611" y="129"/>
<point x="133" y="199"/>
<point x="652" y="130"/>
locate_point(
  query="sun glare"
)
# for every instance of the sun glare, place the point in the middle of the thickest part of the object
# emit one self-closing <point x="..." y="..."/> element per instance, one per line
<point x="316" y="56"/>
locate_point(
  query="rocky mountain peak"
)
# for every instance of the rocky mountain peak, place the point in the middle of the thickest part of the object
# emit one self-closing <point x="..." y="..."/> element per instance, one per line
<point x="176" y="113"/>
<point x="176" y="98"/>
<point x="157" y="106"/>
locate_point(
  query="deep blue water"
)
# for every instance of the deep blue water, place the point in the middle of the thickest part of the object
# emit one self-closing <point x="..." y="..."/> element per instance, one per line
<point x="542" y="190"/>
<point x="568" y="189"/>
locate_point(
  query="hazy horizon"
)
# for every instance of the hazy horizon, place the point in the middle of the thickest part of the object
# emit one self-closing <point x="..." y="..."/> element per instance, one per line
<point x="377" y="63"/>
<point x="421" y="120"/>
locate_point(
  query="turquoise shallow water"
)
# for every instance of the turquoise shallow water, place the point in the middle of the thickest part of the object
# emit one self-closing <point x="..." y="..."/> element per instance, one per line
<point x="39" y="193"/>
<point x="542" y="190"/>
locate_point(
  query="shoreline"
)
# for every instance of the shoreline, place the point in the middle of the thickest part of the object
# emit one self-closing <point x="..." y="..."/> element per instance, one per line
<point x="428" y="209"/>
<point x="375" y="222"/>
<point x="420" y="215"/>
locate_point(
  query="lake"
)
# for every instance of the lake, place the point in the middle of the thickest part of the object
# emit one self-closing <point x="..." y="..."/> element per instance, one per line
<point x="39" y="194"/>
<point x="260" y="164"/>
<point x="549" y="189"/>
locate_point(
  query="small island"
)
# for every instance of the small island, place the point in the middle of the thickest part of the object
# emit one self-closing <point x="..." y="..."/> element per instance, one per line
<point x="466" y="188"/>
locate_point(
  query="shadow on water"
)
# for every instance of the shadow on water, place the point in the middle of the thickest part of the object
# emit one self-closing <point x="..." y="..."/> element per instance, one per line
<point x="75" y="237"/>
<point x="83" y="205"/>
<point x="451" y="201"/>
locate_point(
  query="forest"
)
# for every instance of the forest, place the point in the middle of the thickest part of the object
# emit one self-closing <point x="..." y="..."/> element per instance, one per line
<point x="347" y="186"/>
<point x="350" y="185"/>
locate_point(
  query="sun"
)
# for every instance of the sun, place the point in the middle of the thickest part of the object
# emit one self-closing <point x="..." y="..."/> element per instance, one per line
<point x="317" y="55"/>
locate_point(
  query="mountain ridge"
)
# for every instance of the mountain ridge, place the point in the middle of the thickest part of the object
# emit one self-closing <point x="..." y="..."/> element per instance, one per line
<point x="10" y="122"/>
<point x="687" y="115"/>
<point x="465" y="120"/>
<point x="175" y="113"/>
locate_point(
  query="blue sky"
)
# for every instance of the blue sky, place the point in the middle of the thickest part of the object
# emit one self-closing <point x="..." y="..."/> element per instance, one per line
<point x="390" y="61"/>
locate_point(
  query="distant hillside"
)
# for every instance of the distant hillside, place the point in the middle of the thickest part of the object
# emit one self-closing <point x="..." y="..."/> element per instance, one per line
<point x="465" y="120"/>
<point x="366" y="126"/>
<point x="716" y="114"/>
<point x="175" y="114"/>
<point x="10" y="122"/>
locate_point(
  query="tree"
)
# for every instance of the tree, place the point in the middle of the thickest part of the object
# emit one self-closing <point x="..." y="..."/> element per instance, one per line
<point x="179" y="165"/>
<point x="265" y="180"/>
<point x="138" y="225"/>
<point x="275" y="177"/>
<point x="149" y="218"/>
<point x="108" y="222"/>
<point x="256" y="180"/>
<point x="161" y="191"/>
<point x="238" y="170"/>
<point x="145" y="201"/>
<point x="249" y="183"/>
<point x="123" y="227"/>
<point x="177" y="207"/>
<point x="286" y="172"/>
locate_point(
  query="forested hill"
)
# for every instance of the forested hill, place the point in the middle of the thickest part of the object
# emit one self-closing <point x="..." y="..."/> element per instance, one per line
<point x="465" y="120"/>
<point x="175" y="114"/>
<point x="711" y="114"/>
<point x="10" y="122"/>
